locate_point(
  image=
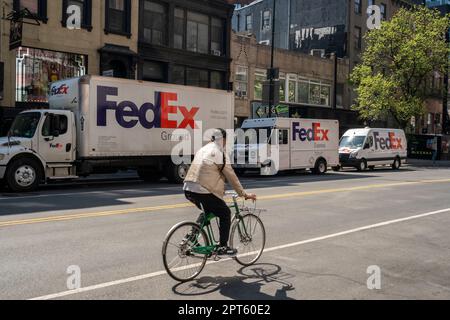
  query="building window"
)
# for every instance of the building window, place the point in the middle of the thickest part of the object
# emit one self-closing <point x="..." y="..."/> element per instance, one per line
<point x="358" y="39"/>
<point x="217" y="36"/>
<point x="248" y="22"/>
<point x="197" y="77"/>
<point x="266" y="20"/>
<point x="154" y="71"/>
<point x="178" y="75"/>
<point x="36" y="69"/>
<point x="217" y="80"/>
<point x="241" y="82"/>
<point x="37" y="7"/>
<point x="370" y="3"/>
<point x="314" y="93"/>
<point x="86" y="12"/>
<point x="118" y="17"/>
<point x="282" y="87"/>
<point x="292" y="87"/>
<point x="325" y="95"/>
<point x="197" y="32"/>
<point x="358" y="6"/>
<point x="303" y="92"/>
<point x="179" y="29"/>
<point x="260" y="77"/>
<point x="155" y="23"/>
<point x="383" y="11"/>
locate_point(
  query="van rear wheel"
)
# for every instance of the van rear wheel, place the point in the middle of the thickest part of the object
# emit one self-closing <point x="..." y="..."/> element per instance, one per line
<point x="397" y="164"/>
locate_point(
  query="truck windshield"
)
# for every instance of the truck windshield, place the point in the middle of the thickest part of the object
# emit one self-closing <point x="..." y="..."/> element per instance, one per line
<point x="255" y="136"/>
<point x="25" y="125"/>
<point x="353" y="142"/>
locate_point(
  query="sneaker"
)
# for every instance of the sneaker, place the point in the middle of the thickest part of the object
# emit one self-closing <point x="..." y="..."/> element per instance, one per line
<point x="227" y="252"/>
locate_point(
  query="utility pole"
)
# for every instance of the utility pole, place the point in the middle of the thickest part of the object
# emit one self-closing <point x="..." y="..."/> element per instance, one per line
<point x="271" y="73"/>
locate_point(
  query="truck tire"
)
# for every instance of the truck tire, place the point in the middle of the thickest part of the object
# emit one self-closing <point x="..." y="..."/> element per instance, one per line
<point x="397" y="164"/>
<point x="177" y="173"/>
<point x="362" y="166"/>
<point x="149" y="175"/>
<point x="23" y="175"/>
<point x="321" y="167"/>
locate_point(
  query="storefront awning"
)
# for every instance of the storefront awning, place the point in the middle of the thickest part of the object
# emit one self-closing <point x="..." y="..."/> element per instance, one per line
<point x="118" y="50"/>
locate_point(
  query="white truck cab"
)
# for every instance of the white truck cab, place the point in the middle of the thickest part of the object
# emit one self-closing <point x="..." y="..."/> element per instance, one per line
<point x="38" y="139"/>
<point x="281" y="144"/>
<point x="368" y="148"/>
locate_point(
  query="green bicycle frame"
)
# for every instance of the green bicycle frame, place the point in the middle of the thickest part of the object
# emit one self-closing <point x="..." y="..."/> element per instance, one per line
<point x="206" y="225"/>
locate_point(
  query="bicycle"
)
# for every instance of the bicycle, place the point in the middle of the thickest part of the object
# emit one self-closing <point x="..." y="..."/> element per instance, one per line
<point x="199" y="243"/>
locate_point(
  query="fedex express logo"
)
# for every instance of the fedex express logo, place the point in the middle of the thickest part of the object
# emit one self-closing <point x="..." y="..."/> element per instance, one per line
<point x="62" y="89"/>
<point x="128" y="114"/>
<point x="312" y="134"/>
<point x="389" y="143"/>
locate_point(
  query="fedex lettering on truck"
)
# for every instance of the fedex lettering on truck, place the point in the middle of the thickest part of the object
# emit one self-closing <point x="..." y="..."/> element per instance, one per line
<point x="128" y="115"/>
<point x="315" y="133"/>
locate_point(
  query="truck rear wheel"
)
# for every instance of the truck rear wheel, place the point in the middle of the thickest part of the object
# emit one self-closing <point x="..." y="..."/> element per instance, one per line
<point x="177" y="173"/>
<point x="149" y="174"/>
<point x="23" y="175"/>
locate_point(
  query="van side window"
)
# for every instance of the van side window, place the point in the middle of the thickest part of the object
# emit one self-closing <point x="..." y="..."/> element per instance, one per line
<point x="283" y="137"/>
<point x="54" y="122"/>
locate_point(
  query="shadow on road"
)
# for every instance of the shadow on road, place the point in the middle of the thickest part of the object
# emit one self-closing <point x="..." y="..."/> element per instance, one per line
<point x="115" y="190"/>
<point x="249" y="285"/>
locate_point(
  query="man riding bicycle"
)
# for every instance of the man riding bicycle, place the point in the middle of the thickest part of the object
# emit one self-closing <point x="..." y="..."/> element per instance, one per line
<point x="205" y="186"/>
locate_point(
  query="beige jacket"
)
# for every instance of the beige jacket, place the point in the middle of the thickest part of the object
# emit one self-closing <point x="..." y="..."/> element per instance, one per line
<point x="206" y="170"/>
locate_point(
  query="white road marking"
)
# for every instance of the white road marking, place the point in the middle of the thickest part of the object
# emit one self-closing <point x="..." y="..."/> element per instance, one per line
<point x="295" y="244"/>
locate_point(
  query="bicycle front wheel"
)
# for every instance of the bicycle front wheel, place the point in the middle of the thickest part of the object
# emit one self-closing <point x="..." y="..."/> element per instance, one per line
<point x="248" y="236"/>
<point x="180" y="259"/>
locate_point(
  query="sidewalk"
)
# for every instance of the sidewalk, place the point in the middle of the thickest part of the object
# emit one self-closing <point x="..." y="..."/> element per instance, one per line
<point x="428" y="163"/>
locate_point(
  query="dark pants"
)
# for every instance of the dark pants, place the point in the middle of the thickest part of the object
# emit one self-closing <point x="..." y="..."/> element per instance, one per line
<point x="216" y="206"/>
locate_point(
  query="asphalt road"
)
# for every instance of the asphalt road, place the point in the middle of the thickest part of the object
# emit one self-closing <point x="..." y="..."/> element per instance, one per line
<point x="323" y="233"/>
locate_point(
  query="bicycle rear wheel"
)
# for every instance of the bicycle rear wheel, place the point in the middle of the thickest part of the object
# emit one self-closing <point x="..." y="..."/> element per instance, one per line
<point x="248" y="236"/>
<point x="180" y="261"/>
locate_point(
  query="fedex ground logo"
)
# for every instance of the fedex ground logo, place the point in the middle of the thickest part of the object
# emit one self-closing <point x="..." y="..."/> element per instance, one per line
<point x="316" y="133"/>
<point x="389" y="143"/>
<point x="149" y="115"/>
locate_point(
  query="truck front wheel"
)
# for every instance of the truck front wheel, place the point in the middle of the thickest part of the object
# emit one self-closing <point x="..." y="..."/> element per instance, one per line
<point x="321" y="167"/>
<point x="23" y="175"/>
<point x="177" y="173"/>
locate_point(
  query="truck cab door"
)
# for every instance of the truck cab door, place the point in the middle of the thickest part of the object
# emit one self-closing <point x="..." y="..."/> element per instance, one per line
<point x="56" y="139"/>
<point x="285" y="148"/>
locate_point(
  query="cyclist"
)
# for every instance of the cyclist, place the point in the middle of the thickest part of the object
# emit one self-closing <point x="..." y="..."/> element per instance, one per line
<point x="205" y="186"/>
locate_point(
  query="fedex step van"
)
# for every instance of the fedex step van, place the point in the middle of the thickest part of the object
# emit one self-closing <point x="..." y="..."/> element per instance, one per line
<point x="368" y="148"/>
<point x="102" y="125"/>
<point x="282" y="144"/>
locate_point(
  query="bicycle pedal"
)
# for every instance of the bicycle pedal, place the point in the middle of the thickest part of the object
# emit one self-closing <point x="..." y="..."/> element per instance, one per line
<point x="217" y="258"/>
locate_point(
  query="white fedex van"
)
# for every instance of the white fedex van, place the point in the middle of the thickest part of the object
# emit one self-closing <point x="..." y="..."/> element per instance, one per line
<point x="368" y="148"/>
<point x="282" y="144"/>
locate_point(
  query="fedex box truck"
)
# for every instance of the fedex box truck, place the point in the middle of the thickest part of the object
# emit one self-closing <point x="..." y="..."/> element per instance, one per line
<point x="99" y="124"/>
<point x="368" y="148"/>
<point x="283" y="144"/>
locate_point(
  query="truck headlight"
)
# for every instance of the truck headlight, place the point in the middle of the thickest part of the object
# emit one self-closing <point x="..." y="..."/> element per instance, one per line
<point x="353" y="155"/>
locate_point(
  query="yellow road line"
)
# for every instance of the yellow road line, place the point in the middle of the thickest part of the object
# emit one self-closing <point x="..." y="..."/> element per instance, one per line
<point x="187" y="205"/>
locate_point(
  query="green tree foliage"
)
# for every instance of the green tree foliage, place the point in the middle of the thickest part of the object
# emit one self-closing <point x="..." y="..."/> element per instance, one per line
<point x="399" y="59"/>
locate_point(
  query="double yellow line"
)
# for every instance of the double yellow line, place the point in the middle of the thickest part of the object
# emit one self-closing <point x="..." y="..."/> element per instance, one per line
<point x="187" y="205"/>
